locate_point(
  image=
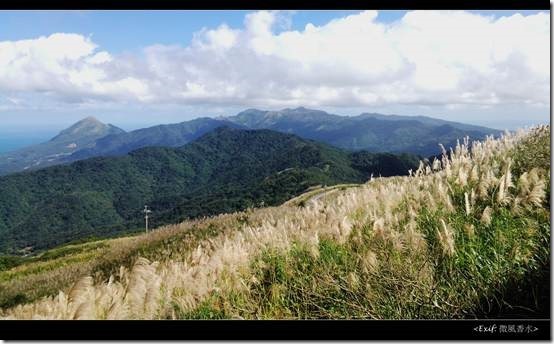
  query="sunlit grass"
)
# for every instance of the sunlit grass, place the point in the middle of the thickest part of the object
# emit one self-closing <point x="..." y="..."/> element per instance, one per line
<point x="456" y="234"/>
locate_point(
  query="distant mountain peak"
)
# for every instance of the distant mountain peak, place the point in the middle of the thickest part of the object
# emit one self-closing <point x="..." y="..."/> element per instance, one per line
<point x="250" y="112"/>
<point x="80" y="135"/>
<point x="90" y="119"/>
<point x="86" y="123"/>
<point x="303" y="109"/>
<point x="87" y="127"/>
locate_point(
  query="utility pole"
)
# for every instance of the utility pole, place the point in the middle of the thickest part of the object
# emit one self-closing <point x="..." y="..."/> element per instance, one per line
<point x="146" y="211"/>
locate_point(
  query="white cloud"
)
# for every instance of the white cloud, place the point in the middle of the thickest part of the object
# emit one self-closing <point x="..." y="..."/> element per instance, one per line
<point x="65" y="65"/>
<point x="426" y="57"/>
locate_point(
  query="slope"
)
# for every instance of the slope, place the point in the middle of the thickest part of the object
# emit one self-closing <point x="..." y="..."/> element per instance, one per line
<point x="223" y="171"/>
<point x="467" y="235"/>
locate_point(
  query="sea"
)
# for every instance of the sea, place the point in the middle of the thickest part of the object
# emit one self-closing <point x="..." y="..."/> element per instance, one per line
<point x="10" y="141"/>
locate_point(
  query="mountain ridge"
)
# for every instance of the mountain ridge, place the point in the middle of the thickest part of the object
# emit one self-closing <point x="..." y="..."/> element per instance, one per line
<point x="165" y="135"/>
<point x="367" y="131"/>
<point x="373" y="132"/>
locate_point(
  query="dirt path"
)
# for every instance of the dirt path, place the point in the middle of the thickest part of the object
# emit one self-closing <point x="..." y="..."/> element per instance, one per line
<point x="314" y="195"/>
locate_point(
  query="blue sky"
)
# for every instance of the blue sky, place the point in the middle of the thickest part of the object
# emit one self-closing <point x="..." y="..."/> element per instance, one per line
<point x="139" y="68"/>
<point x="118" y="31"/>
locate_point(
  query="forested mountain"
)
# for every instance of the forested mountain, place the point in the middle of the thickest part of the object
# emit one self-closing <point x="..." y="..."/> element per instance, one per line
<point x="372" y="132"/>
<point x="166" y="135"/>
<point x="80" y="135"/>
<point x="225" y="170"/>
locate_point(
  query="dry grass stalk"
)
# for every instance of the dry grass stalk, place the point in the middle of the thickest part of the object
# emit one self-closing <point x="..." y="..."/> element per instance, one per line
<point x="149" y="289"/>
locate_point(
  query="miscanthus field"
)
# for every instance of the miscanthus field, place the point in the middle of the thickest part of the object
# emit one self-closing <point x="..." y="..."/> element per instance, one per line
<point x="462" y="237"/>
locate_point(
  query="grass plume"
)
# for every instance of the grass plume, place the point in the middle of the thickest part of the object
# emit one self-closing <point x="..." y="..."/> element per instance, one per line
<point x="393" y="248"/>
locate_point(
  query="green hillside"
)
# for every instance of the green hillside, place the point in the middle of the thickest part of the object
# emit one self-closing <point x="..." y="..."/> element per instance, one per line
<point x="223" y="171"/>
<point x="166" y="135"/>
<point x="467" y="236"/>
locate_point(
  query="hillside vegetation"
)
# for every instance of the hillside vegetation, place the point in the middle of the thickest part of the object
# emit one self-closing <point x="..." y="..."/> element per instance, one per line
<point x="166" y="135"/>
<point x="372" y="132"/>
<point x="464" y="236"/>
<point x="223" y="171"/>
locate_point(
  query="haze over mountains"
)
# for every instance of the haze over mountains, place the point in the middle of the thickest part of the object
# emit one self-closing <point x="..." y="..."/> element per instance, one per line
<point x="222" y="171"/>
<point x="372" y="132"/>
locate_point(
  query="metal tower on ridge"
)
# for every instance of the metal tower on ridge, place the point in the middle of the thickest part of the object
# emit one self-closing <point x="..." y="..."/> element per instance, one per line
<point x="146" y="211"/>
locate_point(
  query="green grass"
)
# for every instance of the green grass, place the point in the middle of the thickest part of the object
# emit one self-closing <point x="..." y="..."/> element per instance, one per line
<point x="332" y="284"/>
<point x="496" y="269"/>
<point x="25" y="279"/>
<point x="209" y="309"/>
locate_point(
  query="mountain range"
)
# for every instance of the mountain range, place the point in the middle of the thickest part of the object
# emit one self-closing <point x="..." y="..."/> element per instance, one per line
<point x="372" y="132"/>
<point x="167" y="135"/>
<point x="368" y="131"/>
<point x="224" y="170"/>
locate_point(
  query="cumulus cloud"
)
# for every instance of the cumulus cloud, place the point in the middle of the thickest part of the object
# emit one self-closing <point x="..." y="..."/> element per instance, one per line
<point x="426" y="57"/>
<point x="64" y="65"/>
